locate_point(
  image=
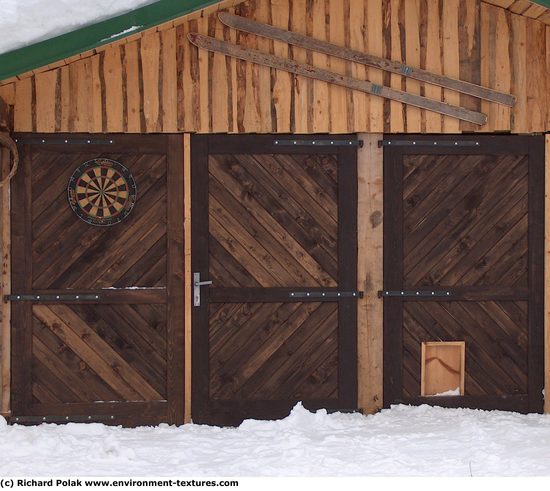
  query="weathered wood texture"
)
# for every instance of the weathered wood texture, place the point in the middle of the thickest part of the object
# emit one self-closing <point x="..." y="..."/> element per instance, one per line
<point x="128" y="345"/>
<point x="547" y="278"/>
<point x="269" y="221"/>
<point x="526" y="8"/>
<point x="187" y="265"/>
<point x="477" y="232"/>
<point x="5" y="284"/>
<point x="161" y="83"/>
<point x="369" y="273"/>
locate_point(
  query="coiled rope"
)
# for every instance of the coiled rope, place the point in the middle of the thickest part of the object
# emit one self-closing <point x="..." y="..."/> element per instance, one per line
<point x="6" y="141"/>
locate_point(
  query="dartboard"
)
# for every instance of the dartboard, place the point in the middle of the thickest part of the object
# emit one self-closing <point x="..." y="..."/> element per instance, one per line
<point x="102" y="192"/>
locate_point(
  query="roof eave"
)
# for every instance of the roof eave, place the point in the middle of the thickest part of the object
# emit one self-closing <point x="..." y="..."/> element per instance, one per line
<point x="87" y="38"/>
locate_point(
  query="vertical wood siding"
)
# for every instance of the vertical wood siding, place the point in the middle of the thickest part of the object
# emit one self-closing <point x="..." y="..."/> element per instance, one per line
<point x="161" y="83"/>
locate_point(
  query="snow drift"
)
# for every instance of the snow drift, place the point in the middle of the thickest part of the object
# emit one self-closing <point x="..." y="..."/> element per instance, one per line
<point x="401" y="441"/>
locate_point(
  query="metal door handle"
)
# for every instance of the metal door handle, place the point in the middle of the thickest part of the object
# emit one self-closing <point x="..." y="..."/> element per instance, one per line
<point x="197" y="283"/>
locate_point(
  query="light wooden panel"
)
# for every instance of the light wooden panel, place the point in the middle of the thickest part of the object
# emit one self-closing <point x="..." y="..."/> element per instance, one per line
<point x="547" y="279"/>
<point x="526" y="8"/>
<point x="5" y="285"/>
<point x="442" y="367"/>
<point x="158" y="82"/>
<point x="369" y="273"/>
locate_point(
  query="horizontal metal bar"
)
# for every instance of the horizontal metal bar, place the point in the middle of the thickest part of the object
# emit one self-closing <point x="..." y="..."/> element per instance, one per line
<point x="415" y="293"/>
<point x="319" y="143"/>
<point x="64" y="141"/>
<point x="328" y="295"/>
<point x="61" y="419"/>
<point x="428" y="143"/>
<point x="51" y="298"/>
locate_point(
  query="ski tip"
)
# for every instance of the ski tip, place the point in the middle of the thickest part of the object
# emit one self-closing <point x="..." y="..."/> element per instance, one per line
<point x="224" y="17"/>
<point x="193" y="38"/>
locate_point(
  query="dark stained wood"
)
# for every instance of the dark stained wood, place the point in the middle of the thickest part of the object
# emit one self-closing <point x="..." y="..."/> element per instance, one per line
<point x="307" y="70"/>
<point x="72" y="359"/>
<point x="175" y="386"/>
<point x="297" y="39"/>
<point x="269" y="220"/>
<point x="536" y="273"/>
<point x="468" y="220"/>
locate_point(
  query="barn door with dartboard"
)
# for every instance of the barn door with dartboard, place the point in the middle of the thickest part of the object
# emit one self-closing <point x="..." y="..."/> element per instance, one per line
<point x="97" y="303"/>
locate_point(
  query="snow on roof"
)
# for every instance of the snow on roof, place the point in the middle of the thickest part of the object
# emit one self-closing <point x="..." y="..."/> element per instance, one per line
<point x="25" y="22"/>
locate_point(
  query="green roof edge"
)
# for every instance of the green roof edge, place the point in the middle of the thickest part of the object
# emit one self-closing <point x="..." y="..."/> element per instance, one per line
<point x="89" y="37"/>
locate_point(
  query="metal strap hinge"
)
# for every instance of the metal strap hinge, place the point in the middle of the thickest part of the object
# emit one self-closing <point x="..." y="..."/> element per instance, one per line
<point x="77" y="297"/>
<point x="319" y="143"/>
<point x="62" y="419"/>
<point x="428" y="143"/>
<point x="322" y="295"/>
<point x="414" y="293"/>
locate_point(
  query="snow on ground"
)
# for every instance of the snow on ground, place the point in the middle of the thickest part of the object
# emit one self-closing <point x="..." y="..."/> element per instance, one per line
<point x="24" y="22"/>
<point x="401" y="441"/>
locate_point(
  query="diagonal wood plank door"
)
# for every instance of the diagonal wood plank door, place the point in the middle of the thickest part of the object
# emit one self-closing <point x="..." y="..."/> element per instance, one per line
<point x="269" y="221"/>
<point x="468" y="219"/>
<point x="117" y="359"/>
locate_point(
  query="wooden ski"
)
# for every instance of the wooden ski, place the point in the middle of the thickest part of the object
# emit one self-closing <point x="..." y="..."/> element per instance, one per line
<point x="212" y="44"/>
<point x="296" y="39"/>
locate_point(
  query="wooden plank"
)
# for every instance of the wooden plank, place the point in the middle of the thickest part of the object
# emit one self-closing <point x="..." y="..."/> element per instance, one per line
<point x="219" y="90"/>
<point x="534" y="11"/>
<point x="451" y="58"/>
<point x="374" y="39"/>
<point x="254" y="56"/>
<point x="203" y="101"/>
<point x="500" y="68"/>
<point x="169" y="112"/>
<point x="113" y="96"/>
<point x="264" y="94"/>
<point x="519" y="6"/>
<point x="151" y="63"/>
<point x="395" y="110"/>
<point x="433" y="63"/>
<point x="187" y="273"/>
<point x="134" y="99"/>
<point x="302" y="86"/>
<point x="469" y="32"/>
<point x="24" y="114"/>
<point x="442" y="367"/>
<point x="317" y="43"/>
<point x="412" y="58"/>
<point x="519" y="116"/>
<point x="175" y="288"/>
<point x="536" y="87"/>
<point x="338" y="27"/>
<point x="320" y="103"/>
<point x="547" y="276"/>
<point x="369" y="273"/>
<point x="46" y="86"/>
<point x="282" y="81"/>
<point x="96" y="111"/>
<point x="358" y="41"/>
<point x="5" y="281"/>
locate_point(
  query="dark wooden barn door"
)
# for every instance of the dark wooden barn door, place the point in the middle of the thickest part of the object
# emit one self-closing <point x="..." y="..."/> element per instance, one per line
<point x="100" y="336"/>
<point x="274" y="229"/>
<point x="464" y="225"/>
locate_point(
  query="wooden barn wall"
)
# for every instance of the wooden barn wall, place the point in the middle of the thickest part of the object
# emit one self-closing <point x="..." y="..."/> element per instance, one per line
<point x="161" y="83"/>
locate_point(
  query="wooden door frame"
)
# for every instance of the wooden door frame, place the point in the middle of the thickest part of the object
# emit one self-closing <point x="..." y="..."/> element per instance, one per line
<point x="201" y="147"/>
<point x="533" y="146"/>
<point x="172" y="146"/>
